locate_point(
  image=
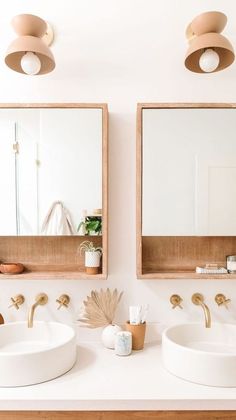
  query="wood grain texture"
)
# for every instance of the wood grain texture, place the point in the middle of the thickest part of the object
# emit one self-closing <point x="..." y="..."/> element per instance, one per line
<point x="175" y="257"/>
<point x="118" y="415"/>
<point x="180" y="105"/>
<point x="54" y="256"/>
<point x="139" y="172"/>
<point x="46" y="255"/>
<point x="181" y="254"/>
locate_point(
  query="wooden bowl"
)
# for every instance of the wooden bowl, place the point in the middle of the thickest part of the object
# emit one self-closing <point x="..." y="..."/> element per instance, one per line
<point x="11" y="268"/>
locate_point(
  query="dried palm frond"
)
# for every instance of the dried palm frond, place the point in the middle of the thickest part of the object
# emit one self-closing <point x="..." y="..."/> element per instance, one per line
<point x="100" y="308"/>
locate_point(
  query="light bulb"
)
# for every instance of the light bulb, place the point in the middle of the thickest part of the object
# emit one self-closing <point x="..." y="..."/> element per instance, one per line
<point x="209" y="60"/>
<point x="30" y="63"/>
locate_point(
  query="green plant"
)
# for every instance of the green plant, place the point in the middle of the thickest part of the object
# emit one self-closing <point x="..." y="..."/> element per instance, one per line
<point x="91" y="224"/>
<point x="87" y="246"/>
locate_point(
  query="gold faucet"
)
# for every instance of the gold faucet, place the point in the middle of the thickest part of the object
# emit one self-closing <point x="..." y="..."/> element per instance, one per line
<point x="198" y="299"/>
<point x="40" y="299"/>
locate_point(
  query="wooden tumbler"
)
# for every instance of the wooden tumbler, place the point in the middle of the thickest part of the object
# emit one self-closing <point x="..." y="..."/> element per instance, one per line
<point x="138" y="334"/>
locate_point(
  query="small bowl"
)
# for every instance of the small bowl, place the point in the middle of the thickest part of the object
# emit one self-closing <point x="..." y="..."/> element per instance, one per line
<point x="11" y="268"/>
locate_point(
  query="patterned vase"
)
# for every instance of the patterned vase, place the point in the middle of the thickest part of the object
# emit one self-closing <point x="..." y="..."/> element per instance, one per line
<point x="92" y="261"/>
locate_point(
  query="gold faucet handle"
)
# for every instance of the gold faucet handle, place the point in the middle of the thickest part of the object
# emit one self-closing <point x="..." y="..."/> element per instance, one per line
<point x="221" y="300"/>
<point x="17" y="301"/>
<point x="176" y="300"/>
<point x="63" y="300"/>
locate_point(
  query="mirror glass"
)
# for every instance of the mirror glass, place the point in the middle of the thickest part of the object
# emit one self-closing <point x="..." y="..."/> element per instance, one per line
<point x="188" y="172"/>
<point x="51" y="170"/>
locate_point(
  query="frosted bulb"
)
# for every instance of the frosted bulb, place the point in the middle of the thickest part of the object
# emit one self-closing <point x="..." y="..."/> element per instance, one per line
<point x="209" y="60"/>
<point x="30" y="63"/>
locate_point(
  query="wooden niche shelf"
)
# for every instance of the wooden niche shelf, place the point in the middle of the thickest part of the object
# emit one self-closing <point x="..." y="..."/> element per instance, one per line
<point x="48" y="257"/>
<point x="176" y="257"/>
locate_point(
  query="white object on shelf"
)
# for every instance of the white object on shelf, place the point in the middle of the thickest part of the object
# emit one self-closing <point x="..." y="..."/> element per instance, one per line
<point x="204" y="270"/>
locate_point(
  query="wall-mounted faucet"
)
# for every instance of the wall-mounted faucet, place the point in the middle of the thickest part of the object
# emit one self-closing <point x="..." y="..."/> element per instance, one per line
<point x="40" y="299"/>
<point x="176" y="300"/>
<point x="17" y="301"/>
<point x="220" y="299"/>
<point x="63" y="300"/>
<point x="198" y="299"/>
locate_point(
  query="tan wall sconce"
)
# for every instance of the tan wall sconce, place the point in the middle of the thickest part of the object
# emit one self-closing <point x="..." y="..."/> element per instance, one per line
<point x="29" y="53"/>
<point x="208" y="51"/>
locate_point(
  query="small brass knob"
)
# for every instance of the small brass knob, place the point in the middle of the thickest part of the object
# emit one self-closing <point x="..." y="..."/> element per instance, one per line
<point x="197" y="298"/>
<point x="221" y="300"/>
<point x="41" y="298"/>
<point x="63" y="300"/>
<point x="17" y="301"/>
<point x="176" y="300"/>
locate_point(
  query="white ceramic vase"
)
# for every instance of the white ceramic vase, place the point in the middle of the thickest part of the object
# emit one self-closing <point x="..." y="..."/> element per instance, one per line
<point x="92" y="261"/>
<point x="109" y="335"/>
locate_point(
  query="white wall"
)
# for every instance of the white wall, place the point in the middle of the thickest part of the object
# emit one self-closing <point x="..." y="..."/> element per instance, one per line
<point x="120" y="52"/>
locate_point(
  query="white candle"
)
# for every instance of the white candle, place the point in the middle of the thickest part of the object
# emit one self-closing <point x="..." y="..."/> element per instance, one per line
<point x="123" y="343"/>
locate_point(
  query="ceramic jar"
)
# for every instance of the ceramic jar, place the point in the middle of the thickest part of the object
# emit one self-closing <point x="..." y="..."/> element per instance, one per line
<point x="92" y="261"/>
<point x="109" y="335"/>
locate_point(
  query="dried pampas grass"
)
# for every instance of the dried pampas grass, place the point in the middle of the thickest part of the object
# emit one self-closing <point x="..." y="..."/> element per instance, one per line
<point x="100" y="308"/>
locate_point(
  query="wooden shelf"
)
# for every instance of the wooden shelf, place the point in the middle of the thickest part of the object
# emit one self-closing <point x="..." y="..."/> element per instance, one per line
<point x="50" y="257"/>
<point x="176" y="257"/>
<point x="185" y="275"/>
<point x="56" y="275"/>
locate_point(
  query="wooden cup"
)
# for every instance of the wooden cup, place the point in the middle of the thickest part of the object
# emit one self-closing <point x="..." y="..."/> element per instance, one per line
<point x="138" y="334"/>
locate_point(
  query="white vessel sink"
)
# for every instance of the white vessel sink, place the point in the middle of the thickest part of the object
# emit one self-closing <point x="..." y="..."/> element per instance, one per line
<point x="33" y="355"/>
<point x="202" y="355"/>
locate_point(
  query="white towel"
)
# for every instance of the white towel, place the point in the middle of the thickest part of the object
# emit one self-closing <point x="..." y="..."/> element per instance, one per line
<point x="57" y="221"/>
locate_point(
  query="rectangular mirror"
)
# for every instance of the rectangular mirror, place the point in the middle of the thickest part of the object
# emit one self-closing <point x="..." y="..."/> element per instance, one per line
<point x="49" y="156"/>
<point x="53" y="175"/>
<point x="186" y="189"/>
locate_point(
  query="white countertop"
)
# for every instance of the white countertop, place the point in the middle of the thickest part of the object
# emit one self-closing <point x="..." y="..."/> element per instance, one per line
<point x="100" y="380"/>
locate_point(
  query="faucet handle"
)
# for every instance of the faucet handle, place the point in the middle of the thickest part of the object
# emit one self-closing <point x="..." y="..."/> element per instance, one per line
<point x="176" y="300"/>
<point x="17" y="301"/>
<point x="63" y="300"/>
<point x="221" y="300"/>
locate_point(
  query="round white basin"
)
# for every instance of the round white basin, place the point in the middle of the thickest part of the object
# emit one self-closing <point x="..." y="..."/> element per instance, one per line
<point x="33" y="355"/>
<point x="202" y="355"/>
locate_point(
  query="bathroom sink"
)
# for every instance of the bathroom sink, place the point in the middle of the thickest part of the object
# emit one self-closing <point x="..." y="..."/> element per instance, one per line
<point x="33" y="355"/>
<point x="202" y="355"/>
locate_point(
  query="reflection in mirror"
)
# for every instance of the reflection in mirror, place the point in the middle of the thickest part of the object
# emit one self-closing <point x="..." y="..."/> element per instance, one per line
<point x="188" y="172"/>
<point x="51" y="171"/>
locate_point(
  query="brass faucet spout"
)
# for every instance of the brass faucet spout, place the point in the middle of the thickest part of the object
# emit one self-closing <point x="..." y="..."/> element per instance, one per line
<point x="198" y="299"/>
<point x="40" y="299"/>
<point x="31" y="314"/>
<point x="207" y="315"/>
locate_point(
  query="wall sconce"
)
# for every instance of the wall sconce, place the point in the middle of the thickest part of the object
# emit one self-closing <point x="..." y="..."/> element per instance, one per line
<point x="208" y="51"/>
<point x="29" y="53"/>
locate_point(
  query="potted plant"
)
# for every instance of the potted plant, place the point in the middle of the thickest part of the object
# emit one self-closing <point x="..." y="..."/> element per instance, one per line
<point x="91" y="225"/>
<point x="92" y="256"/>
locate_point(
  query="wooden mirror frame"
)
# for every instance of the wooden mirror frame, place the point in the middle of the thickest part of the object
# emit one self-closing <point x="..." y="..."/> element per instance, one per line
<point x="206" y="248"/>
<point x="59" y="252"/>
